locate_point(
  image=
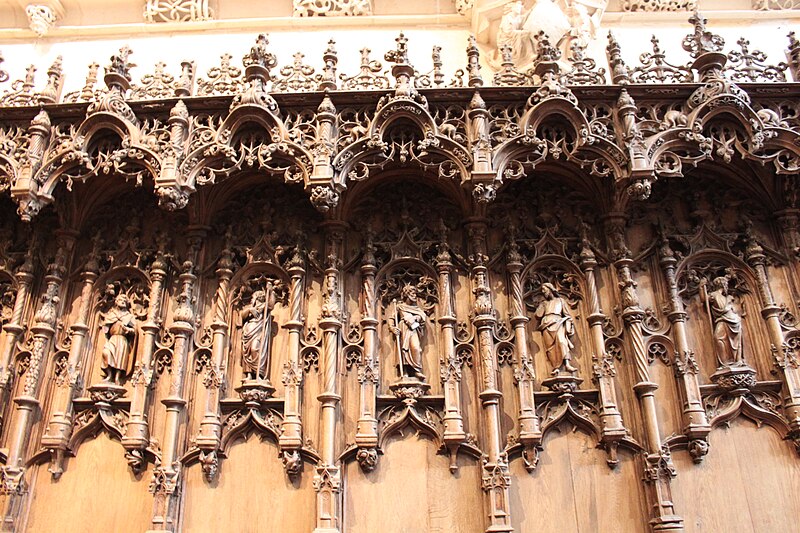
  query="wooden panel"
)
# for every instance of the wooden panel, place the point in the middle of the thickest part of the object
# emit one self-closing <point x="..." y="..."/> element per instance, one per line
<point x="573" y="479"/>
<point x="412" y="491"/>
<point x="748" y="483"/>
<point x="97" y="492"/>
<point x="251" y="484"/>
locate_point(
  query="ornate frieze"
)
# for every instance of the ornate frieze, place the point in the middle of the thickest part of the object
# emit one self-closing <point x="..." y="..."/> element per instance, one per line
<point x="331" y="8"/>
<point x="177" y="10"/>
<point x="659" y="5"/>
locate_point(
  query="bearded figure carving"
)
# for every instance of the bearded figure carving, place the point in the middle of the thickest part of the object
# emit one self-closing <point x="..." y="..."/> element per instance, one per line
<point x="119" y="326"/>
<point x="409" y="331"/>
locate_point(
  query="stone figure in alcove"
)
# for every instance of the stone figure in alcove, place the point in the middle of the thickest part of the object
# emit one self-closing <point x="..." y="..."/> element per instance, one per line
<point x="119" y="326"/>
<point x="727" y="324"/>
<point x="409" y="331"/>
<point x="558" y="328"/>
<point x="257" y="333"/>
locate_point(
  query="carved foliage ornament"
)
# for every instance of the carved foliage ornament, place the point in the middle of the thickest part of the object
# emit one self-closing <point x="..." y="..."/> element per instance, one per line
<point x="659" y="5"/>
<point x="777" y="5"/>
<point x="331" y="8"/>
<point x="177" y="10"/>
<point x="41" y="18"/>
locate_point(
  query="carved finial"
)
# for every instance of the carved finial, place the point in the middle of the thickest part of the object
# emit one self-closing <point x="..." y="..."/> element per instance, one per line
<point x="326" y="106"/>
<point x="331" y="60"/>
<point x="753" y="250"/>
<point x="545" y="52"/>
<point x="120" y="63"/>
<point x="402" y="70"/>
<point x="41" y="120"/>
<point x="87" y="92"/>
<point x="185" y="82"/>
<point x="436" y="57"/>
<point x="179" y="110"/>
<point x="792" y="54"/>
<point x="55" y="79"/>
<point x="477" y="101"/>
<point x="619" y="72"/>
<point x="665" y="251"/>
<point x="701" y="41"/>
<point x="368" y="258"/>
<point x="473" y="63"/>
<point x="400" y="54"/>
<point x="28" y="265"/>
<point x="546" y="67"/>
<point x="30" y="72"/>
<point x="3" y="73"/>
<point x="259" y="56"/>
<point x="93" y="259"/>
<point x="258" y="63"/>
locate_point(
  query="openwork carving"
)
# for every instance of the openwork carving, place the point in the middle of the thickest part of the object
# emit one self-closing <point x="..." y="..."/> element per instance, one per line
<point x="749" y="66"/>
<point x="766" y="5"/>
<point x="160" y="84"/>
<point x="584" y="69"/>
<point x="331" y="8"/>
<point x="296" y="77"/>
<point x="224" y="79"/>
<point x="655" y="68"/>
<point x="41" y="18"/>
<point x="177" y="10"/>
<point x="369" y="77"/>
<point x="22" y="90"/>
<point x="659" y="5"/>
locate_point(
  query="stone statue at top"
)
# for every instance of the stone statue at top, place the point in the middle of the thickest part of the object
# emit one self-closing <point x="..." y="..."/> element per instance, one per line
<point x="562" y="21"/>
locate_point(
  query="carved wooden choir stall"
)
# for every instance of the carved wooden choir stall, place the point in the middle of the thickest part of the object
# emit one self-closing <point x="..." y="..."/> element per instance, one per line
<point x="311" y="301"/>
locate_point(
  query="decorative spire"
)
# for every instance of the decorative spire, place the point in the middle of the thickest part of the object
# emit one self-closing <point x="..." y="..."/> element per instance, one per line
<point x="619" y="72"/>
<point x="331" y="60"/>
<point x="185" y="83"/>
<point x="473" y="63"/>
<point x="55" y="79"/>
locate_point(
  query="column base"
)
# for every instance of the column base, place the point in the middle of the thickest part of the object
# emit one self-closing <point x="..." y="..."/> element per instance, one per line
<point x="667" y="524"/>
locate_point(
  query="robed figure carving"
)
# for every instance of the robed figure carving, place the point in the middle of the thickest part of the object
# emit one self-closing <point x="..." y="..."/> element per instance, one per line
<point x="727" y="324"/>
<point x="119" y="326"/>
<point x="257" y="333"/>
<point x="557" y="327"/>
<point x="409" y="331"/>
